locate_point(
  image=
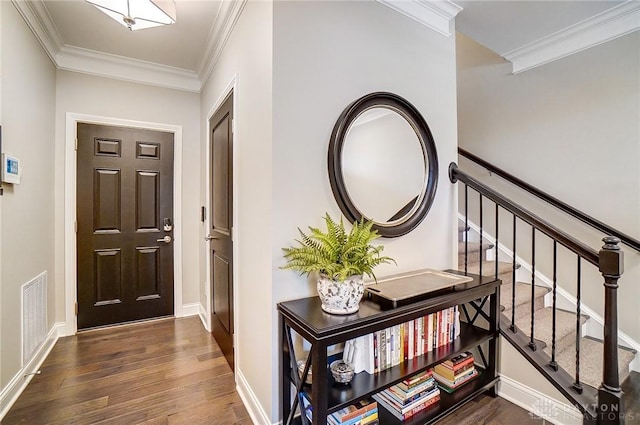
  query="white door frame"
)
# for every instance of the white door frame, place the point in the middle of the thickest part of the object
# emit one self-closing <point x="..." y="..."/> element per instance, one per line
<point x="231" y="87"/>
<point x="70" y="180"/>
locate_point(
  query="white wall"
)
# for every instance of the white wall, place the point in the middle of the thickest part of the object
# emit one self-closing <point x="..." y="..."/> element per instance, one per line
<point x="28" y="99"/>
<point x="247" y="57"/>
<point x="326" y="55"/>
<point x="571" y="129"/>
<point x="85" y="94"/>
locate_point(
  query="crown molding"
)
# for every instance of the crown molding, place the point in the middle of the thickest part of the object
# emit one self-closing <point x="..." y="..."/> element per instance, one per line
<point x="436" y="15"/>
<point x="225" y="20"/>
<point x="71" y="58"/>
<point x="39" y="21"/>
<point x="606" y="26"/>
<point x="91" y="62"/>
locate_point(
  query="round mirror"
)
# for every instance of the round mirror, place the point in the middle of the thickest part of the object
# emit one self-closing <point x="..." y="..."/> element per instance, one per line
<point x="383" y="164"/>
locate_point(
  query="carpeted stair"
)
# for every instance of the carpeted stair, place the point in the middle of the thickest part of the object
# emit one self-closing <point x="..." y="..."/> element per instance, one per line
<point x="591" y="351"/>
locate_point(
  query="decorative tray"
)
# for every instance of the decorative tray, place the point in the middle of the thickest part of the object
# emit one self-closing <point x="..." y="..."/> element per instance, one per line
<point x="405" y="288"/>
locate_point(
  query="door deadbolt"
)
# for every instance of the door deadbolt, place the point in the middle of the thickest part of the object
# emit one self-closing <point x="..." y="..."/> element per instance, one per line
<point x="166" y="239"/>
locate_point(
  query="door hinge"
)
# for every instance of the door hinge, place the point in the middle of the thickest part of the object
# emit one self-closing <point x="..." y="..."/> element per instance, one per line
<point x="76" y="143"/>
<point x="233" y="125"/>
<point x="76" y="309"/>
<point x="75" y="226"/>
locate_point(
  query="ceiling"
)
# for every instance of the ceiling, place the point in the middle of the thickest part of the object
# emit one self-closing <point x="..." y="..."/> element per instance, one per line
<point x="79" y="37"/>
<point x="180" y="45"/>
<point x="505" y="26"/>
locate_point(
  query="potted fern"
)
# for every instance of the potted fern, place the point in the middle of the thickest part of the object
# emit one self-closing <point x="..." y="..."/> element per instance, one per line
<point x="340" y="258"/>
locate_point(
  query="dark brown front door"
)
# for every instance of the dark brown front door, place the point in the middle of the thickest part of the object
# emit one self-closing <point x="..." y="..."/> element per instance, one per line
<point x="221" y="222"/>
<point x="125" y="225"/>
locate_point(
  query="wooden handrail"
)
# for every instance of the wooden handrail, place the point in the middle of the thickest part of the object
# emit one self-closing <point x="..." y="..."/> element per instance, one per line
<point x="585" y="218"/>
<point x="563" y="238"/>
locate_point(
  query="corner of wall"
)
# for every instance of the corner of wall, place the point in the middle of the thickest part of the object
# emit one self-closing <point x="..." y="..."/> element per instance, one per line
<point x="251" y="402"/>
<point x="18" y="383"/>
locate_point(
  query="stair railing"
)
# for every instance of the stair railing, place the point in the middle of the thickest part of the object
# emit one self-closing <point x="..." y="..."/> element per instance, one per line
<point x="605" y="407"/>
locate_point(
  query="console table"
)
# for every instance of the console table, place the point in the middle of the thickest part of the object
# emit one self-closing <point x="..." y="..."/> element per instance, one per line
<point x="322" y="330"/>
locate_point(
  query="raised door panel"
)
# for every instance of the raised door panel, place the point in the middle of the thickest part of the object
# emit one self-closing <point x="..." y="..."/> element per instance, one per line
<point x="108" y="277"/>
<point x="221" y="282"/>
<point x="106" y="201"/>
<point x="147" y="201"/>
<point x="220" y="170"/>
<point x="148" y="284"/>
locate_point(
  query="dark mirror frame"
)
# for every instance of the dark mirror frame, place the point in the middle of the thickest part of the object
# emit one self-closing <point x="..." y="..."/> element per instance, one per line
<point x="336" y="144"/>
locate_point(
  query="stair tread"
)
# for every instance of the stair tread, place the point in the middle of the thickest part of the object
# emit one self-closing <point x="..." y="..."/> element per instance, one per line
<point x="543" y="330"/>
<point x="473" y="247"/>
<point x="523" y="294"/>
<point x="591" y="360"/>
<point x="488" y="268"/>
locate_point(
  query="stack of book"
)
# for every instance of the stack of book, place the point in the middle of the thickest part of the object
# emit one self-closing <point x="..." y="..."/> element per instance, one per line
<point x="364" y="412"/>
<point x="453" y="373"/>
<point x="410" y="396"/>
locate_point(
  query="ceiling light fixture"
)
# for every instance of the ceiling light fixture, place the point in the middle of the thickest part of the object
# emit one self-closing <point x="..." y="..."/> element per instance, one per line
<point x="138" y="14"/>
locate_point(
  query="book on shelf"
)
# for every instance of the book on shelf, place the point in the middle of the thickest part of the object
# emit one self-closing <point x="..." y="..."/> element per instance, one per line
<point x="392" y="346"/>
<point x="458" y="360"/>
<point x="451" y="374"/>
<point x="364" y="412"/>
<point x="413" y="391"/>
<point x="406" y="404"/>
<point x="409" y="396"/>
<point x="415" y="408"/>
<point x="414" y="381"/>
<point x="450" y="386"/>
<point x="366" y="417"/>
<point x="359" y="411"/>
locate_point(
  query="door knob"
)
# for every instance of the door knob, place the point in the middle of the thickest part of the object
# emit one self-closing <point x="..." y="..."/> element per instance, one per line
<point x="166" y="239"/>
<point x="209" y="237"/>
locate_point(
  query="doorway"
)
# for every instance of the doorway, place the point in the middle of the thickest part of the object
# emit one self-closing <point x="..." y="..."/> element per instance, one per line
<point x="125" y="223"/>
<point x="220" y="249"/>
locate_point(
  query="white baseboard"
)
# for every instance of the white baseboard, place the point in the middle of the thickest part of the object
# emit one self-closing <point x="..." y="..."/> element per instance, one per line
<point x="16" y="386"/>
<point x="192" y="309"/>
<point x="539" y="405"/>
<point x="594" y="327"/>
<point x="251" y="403"/>
<point x="204" y="317"/>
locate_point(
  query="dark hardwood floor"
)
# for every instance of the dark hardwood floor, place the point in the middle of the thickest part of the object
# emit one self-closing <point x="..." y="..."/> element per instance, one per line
<point x="486" y="410"/>
<point x="161" y="372"/>
<point x="165" y="372"/>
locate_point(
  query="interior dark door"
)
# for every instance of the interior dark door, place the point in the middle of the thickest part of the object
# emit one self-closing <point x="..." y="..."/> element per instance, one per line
<point x="221" y="222"/>
<point x="125" y="225"/>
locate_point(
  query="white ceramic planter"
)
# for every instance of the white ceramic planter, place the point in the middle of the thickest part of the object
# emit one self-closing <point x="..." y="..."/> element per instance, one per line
<point x="341" y="297"/>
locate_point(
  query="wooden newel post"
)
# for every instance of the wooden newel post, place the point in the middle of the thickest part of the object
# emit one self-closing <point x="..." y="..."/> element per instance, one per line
<point x="610" y="409"/>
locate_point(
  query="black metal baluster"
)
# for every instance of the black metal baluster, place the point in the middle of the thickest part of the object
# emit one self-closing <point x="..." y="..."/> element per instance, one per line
<point x="481" y="230"/>
<point x="497" y="236"/>
<point x="532" y="343"/>
<point x="553" y="363"/>
<point x="466" y="227"/>
<point x="513" y="280"/>
<point x="577" y="385"/>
